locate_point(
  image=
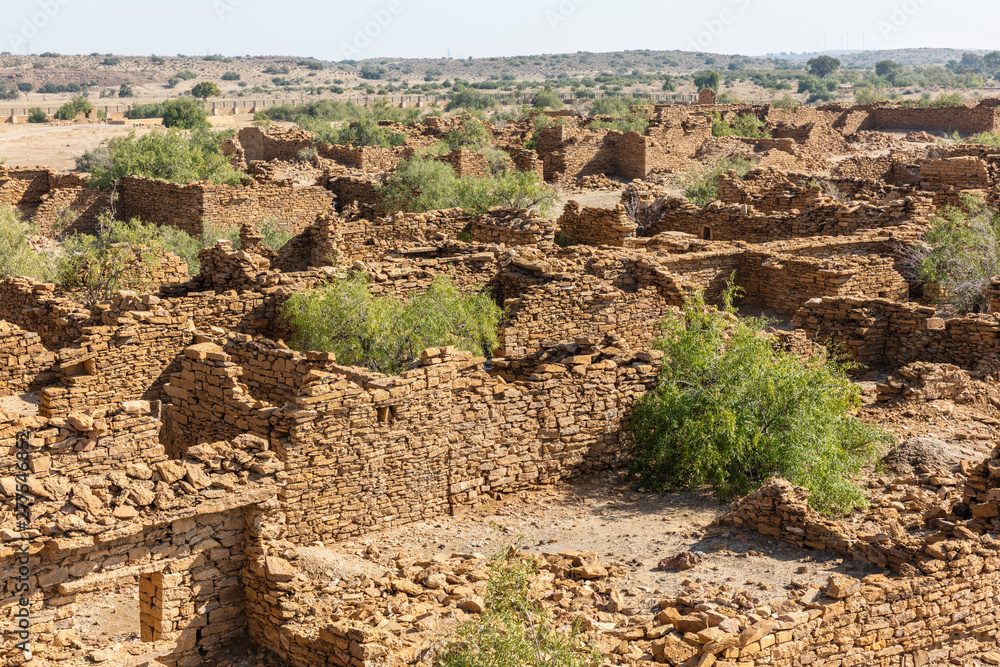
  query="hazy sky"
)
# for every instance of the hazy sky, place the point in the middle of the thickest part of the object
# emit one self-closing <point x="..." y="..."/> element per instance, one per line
<point x="429" y="28"/>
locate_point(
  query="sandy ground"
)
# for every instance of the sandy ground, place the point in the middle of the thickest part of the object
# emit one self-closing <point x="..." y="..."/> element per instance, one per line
<point x="58" y="146"/>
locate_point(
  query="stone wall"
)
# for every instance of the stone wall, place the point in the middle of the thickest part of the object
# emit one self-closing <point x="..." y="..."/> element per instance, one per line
<point x="882" y="332"/>
<point x="189" y="207"/>
<point x="27" y="364"/>
<point x="23" y="188"/>
<point x="396" y="457"/>
<point x="125" y="358"/>
<point x="71" y="211"/>
<point x="36" y="307"/>
<point x="967" y="120"/>
<point x="595" y="226"/>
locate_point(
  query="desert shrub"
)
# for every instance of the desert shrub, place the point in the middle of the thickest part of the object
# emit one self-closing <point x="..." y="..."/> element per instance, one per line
<point x="36" y="115"/>
<point x="467" y="98"/>
<point x="541" y="122"/>
<point x="547" y="99"/>
<point x="184" y="114"/>
<point x="111" y="61"/>
<point x="186" y="75"/>
<point x="513" y="630"/>
<point x="126" y="90"/>
<point x="25" y="86"/>
<point x="187" y="246"/>
<point x="424" y="184"/>
<point x="991" y="139"/>
<point x="121" y="254"/>
<point x="869" y="95"/>
<point x="172" y="82"/>
<point x="786" y="102"/>
<point x="367" y="132"/>
<point x="418" y="184"/>
<point x="702" y="186"/>
<point x="154" y="110"/>
<point x="384" y="334"/>
<point x="732" y="408"/>
<point x="509" y="188"/>
<point x="69" y="110"/>
<point x="206" y="89"/>
<point x="276" y="233"/>
<point x="18" y="257"/>
<point x="631" y="122"/>
<point x="744" y="125"/>
<point x="172" y="155"/>
<point x="473" y="134"/>
<point x="613" y="106"/>
<point x="960" y="253"/>
<point x="231" y="76"/>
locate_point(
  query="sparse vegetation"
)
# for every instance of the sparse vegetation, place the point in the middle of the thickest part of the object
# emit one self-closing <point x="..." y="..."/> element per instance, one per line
<point x="18" y="256"/>
<point x="702" y="186"/>
<point x="384" y="334"/>
<point x="959" y="255"/>
<point x="424" y="184"/>
<point x="514" y="630"/>
<point x="732" y="409"/>
<point x="744" y="125"/>
<point x="206" y="89"/>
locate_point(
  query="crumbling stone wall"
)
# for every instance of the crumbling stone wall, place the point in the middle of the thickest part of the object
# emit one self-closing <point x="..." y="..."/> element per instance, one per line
<point x="882" y="332"/>
<point x="123" y="359"/>
<point x="596" y="226"/>
<point x="36" y="307"/>
<point x="189" y="207"/>
<point x="71" y="211"/>
<point x="27" y="364"/>
<point x="23" y="188"/>
<point x="414" y="468"/>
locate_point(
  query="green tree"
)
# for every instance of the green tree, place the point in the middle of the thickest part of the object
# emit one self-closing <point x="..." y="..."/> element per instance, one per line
<point x="418" y="184"/>
<point x="184" y="114"/>
<point x="172" y="155"/>
<point x="707" y="79"/>
<point x="887" y="68"/>
<point x="25" y="86"/>
<point x="383" y="334"/>
<point x="126" y="90"/>
<point x="732" y="408"/>
<point x="69" y="110"/>
<point x="206" y="89"/>
<point x="464" y="97"/>
<point x="231" y="76"/>
<point x="36" y="115"/>
<point x="823" y="66"/>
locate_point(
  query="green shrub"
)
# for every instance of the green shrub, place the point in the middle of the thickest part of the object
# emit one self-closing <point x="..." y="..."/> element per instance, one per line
<point x="186" y="75"/>
<point x="744" y="125"/>
<point x="467" y="98"/>
<point x="541" y="122"/>
<point x="547" y="99"/>
<point x="231" y="76"/>
<point x="172" y="155"/>
<point x="424" y="184"/>
<point x="172" y="82"/>
<point x="125" y="90"/>
<point x="514" y="630"/>
<point x="869" y="95"/>
<point x="960" y="254"/>
<point x="991" y="139"/>
<point x="613" y="106"/>
<point x="731" y="409"/>
<point x="384" y="334"/>
<point x="786" y="102"/>
<point x="632" y="122"/>
<point x="36" y="115"/>
<point x="184" y="113"/>
<point x="139" y="111"/>
<point x="367" y="132"/>
<point x="702" y="186"/>
<point x="472" y="134"/>
<point x="111" y="61"/>
<point x="18" y="257"/>
<point x="69" y="110"/>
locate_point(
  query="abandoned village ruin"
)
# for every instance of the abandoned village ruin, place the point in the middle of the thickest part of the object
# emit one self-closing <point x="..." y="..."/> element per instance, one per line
<point x="181" y="445"/>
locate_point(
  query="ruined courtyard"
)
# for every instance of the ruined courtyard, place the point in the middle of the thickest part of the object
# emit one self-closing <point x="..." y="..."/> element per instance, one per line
<point x="202" y="494"/>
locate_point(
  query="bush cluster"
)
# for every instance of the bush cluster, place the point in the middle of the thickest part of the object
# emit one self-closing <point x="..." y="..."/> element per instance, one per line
<point x="732" y="408"/>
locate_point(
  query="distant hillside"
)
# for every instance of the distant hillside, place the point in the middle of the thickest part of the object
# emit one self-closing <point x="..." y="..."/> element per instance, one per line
<point x="866" y="59"/>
